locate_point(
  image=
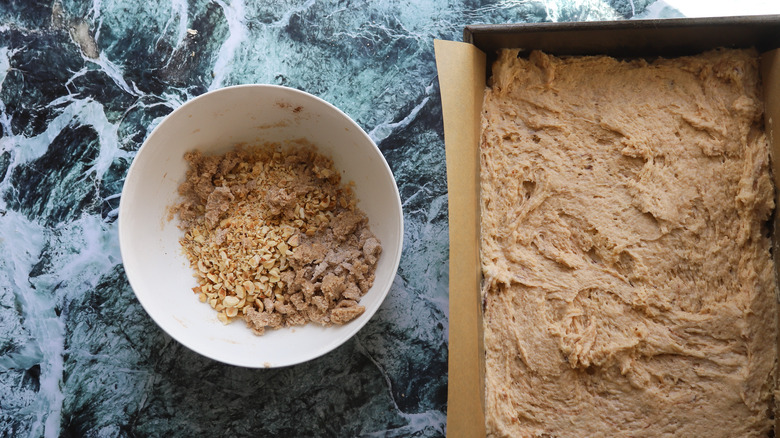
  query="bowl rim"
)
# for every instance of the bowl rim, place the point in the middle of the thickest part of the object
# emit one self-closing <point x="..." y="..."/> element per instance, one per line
<point x="354" y="326"/>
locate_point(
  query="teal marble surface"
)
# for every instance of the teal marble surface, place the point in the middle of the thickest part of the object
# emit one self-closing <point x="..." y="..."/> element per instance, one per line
<point x="82" y="83"/>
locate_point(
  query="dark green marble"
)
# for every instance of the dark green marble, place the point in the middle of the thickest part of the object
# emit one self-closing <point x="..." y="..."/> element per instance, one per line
<point x="82" y="83"/>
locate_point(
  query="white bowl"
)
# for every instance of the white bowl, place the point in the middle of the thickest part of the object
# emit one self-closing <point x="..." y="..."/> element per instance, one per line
<point x="214" y="122"/>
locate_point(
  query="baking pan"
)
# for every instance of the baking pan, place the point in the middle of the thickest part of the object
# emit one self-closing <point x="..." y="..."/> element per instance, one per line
<point x="463" y="73"/>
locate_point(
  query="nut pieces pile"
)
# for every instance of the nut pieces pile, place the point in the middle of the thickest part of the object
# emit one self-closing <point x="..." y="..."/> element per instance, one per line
<point x="247" y="213"/>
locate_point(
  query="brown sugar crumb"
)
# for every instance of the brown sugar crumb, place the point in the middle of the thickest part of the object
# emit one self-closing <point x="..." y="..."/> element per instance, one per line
<point x="274" y="237"/>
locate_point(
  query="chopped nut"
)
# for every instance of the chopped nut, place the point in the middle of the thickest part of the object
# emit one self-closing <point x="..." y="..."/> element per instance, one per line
<point x="244" y="245"/>
<point x="230" y="301"/>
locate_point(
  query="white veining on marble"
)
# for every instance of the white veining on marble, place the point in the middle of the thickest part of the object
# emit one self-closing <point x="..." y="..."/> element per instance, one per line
<point x="579" y="10"/>
<point x="385" y="129"/>
<point x="234" y="14"/>
<point x="85" y="250"/>
<point x="433" y="420"/>
<point x="5" y="66"/>
<point x="285" y="19"/>
<point x="429" y="275"/>
<point x="93" y="15"/>
<point x="26" y="149"/>
<point x="179" y="9"/>
<point x="22" y="241"/>
<point x="80" y="33"/>
<point x="115" y="73"/>
<point x="82" y="251"/>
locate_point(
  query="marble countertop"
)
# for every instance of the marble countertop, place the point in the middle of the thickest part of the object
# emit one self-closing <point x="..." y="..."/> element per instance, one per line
<point x="82" y="83"/>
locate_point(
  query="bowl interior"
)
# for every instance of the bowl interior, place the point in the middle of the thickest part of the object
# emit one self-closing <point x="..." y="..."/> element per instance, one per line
<point x="214" y="122"/>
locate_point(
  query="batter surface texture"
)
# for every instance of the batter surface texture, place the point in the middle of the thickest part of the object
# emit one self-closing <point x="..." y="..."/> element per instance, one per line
<point x="628" y="287"/>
